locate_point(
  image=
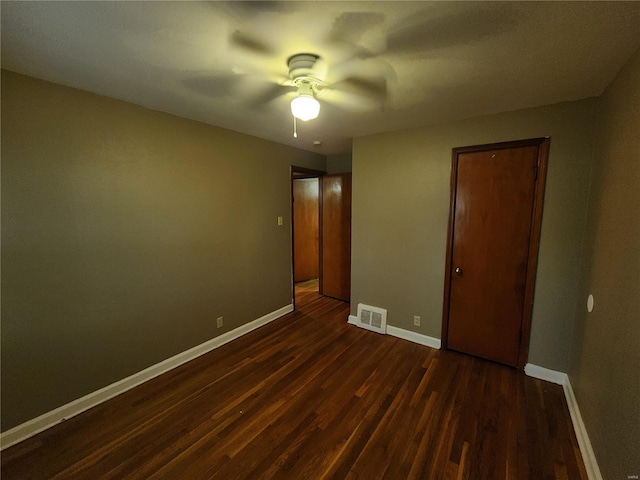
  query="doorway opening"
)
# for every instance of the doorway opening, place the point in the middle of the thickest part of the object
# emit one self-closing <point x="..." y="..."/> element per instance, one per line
<point x="321" y="233"/>
<point x="306" y="219"/>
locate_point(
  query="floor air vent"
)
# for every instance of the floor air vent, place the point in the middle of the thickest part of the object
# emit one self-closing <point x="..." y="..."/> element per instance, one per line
<point x="372" y="318"/>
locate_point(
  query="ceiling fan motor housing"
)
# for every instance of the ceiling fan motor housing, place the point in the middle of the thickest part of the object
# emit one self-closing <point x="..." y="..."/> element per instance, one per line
<point x="301" y="68"/>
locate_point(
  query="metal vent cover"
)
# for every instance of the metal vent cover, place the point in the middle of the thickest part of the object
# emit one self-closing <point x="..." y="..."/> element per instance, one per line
<point x="372" y="318"/>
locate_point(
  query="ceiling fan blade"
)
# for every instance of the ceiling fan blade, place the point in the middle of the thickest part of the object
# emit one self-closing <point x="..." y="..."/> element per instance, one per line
<point x="320" y="70"/>
<point x="254" y="90"/>
<point x="269" y="94"/>
<point x="251" y="43"/>
<point x="213" y="85"/>
<point x="371" y="87"/>
<point x="252" y="8"/>
<point x="348" y="100"/>
<point x="349" y="27"/>
<point x="436" y="27"/>
<point x="362" y="68"/>
<point x="358" y="34"/>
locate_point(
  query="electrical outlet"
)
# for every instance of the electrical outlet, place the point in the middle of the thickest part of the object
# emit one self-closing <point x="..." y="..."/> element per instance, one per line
<point x="416" y="320"/>
<point x="219" y="322"/>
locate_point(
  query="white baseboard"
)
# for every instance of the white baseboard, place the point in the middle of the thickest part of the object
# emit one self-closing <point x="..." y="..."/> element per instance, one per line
<point x="414" y="337"/>
<point x="36" y="425"/>
<point x="405" y="334"/>
<point x="588" y="457"/>
<point x="545" y="374"/>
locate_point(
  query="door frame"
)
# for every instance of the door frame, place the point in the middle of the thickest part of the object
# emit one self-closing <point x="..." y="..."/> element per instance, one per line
<point x="298" y="173"/>
<point x="534" y="236"/>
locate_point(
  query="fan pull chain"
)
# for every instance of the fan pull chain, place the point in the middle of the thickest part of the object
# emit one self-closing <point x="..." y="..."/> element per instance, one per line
<point x="295" y="128"/>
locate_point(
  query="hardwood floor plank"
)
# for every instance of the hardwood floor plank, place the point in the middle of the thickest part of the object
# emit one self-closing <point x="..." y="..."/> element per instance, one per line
<point x="310" y="397"/>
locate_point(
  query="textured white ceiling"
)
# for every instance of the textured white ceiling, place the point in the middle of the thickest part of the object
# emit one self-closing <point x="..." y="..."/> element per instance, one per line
<point x="217" y="61"/>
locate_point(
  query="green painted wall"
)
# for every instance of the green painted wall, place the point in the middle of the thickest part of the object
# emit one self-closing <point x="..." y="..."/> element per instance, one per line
<point x="125" y="233"/>
<point x="604" y="368"/>
<point x="339" y="163"/>
<point x="401" y="208"/>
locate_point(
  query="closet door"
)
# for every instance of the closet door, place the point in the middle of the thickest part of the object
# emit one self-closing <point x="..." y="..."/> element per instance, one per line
<point x="336" y="236"/>
<point x="306" y="228"/>
<point x="494" y="232"/>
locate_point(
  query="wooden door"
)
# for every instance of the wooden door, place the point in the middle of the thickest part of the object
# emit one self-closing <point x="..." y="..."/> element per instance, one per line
<point x="336" y="236"/>
<point x="493" y="243"/>
<point x="306" y="260"/>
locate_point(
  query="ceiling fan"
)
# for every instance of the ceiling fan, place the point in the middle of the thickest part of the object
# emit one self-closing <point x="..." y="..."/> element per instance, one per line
<point x="350" y="84"/>
<point x="308" y="84"/>
<point x="349" y="73"/>
<point x="305" y="74"/>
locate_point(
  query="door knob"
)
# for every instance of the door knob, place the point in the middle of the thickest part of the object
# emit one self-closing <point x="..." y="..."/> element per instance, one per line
<point x="458" y="270"/>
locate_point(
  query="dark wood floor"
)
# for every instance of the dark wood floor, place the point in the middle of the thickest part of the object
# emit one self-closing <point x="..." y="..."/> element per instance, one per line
<point x="310" y="397"/>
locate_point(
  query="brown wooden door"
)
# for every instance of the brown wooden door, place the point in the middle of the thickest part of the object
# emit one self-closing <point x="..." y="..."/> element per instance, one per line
<point x="306" y="260"/>
<point x="493" y="244"/>
<point x="336" y="236"/>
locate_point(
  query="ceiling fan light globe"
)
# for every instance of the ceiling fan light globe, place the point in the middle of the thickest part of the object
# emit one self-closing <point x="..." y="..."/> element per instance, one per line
<point x="305" y="107"/>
